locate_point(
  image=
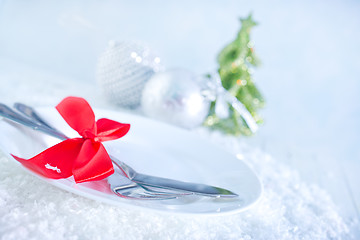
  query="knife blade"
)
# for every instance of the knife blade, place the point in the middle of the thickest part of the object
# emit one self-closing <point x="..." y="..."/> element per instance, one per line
<point x="165" y="183"/>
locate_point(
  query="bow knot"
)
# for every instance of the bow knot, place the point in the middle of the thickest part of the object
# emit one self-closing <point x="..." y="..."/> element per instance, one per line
<point x="88" y="135"/>
<point x="85" y="158"/>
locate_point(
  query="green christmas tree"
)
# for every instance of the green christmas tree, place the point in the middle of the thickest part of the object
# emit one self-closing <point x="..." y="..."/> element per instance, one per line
<point x="236" y="62"/>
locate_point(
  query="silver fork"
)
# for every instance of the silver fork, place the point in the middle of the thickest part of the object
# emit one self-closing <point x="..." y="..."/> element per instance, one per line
<point x="120" y="185"/>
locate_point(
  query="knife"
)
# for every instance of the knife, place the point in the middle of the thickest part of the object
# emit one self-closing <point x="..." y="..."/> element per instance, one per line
<point x="199" y="189"/>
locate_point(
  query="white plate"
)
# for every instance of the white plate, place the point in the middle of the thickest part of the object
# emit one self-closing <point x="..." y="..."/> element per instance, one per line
<point x="153" y="148"/>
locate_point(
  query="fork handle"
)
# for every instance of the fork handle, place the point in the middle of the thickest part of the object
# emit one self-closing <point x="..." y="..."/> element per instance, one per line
<point x="32" y="114"/>
<point x="7" y="112"/>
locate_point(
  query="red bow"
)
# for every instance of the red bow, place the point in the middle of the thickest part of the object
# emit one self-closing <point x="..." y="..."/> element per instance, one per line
<point x="86" y="157"/>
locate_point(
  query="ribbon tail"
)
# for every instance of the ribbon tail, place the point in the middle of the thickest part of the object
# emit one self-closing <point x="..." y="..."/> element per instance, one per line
<point x="55" y="162"/>
<point x="93" y="163"/>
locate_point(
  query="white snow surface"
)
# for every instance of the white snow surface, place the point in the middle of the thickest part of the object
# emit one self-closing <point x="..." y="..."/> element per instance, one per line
<point x="288" y="209"/>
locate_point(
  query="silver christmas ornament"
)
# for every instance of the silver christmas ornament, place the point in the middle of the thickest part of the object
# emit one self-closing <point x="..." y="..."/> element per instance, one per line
<point x="122" y="71"/>
<point x="175" y="97"/>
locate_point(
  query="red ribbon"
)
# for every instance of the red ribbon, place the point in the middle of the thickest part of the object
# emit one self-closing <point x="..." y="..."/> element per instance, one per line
<point x="86" y="157"/>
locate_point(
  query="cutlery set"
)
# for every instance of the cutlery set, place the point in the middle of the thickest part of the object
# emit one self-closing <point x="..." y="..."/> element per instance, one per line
<point x="125" y="182"/>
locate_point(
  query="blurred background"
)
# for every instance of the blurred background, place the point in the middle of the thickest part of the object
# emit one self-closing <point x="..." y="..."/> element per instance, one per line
<point x="309" y="76"/>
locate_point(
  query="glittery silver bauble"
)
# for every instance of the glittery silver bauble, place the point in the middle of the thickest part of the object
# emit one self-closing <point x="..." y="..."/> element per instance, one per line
<point x="123" y="69"/>
<point x="175" y="97"/>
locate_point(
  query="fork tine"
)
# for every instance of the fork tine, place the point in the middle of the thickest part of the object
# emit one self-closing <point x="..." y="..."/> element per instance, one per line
<point x="136" y="192"/>
<point x="123" y="186"/>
